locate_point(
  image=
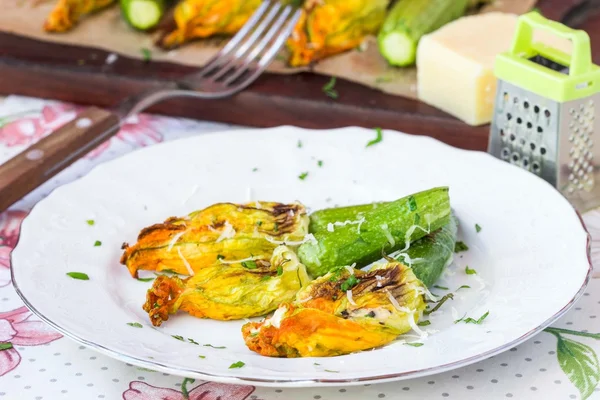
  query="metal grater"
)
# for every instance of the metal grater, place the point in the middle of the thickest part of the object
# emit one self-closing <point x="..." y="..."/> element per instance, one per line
<point x="545" y="116"/>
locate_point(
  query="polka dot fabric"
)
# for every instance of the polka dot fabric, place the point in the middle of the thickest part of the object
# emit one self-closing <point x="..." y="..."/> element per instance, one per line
<point x="44" y="365"/>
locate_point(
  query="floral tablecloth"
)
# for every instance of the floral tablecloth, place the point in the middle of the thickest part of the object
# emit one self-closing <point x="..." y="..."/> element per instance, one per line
<point x="38" y="363"/>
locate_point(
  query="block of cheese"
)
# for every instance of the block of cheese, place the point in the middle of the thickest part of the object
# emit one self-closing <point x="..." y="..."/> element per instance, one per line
<point x="455" y="64"/>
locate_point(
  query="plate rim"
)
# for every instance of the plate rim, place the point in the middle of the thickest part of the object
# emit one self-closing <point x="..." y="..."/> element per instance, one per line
<point x="297" y="383"/>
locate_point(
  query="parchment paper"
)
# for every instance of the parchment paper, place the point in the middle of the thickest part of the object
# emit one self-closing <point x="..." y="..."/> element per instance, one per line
<point x="107" y="30"/>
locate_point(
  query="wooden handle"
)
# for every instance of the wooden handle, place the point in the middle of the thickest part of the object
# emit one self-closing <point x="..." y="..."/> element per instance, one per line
<point x="40" y="162"/>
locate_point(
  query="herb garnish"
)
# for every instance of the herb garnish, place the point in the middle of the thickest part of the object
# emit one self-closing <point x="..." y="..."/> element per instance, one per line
<point x="464" y="287"/>
<point x="214" y="347"/>
<point x="265" y="278"/>
<point x="184" y="389"/>
<point x="178" y="337"/>
<point x="279" y="270"/>
<point x="460" y="246"/>
<point x="414" y="344"/>
<point x="6" y="346"/>
<point x="470" y="271"/>
<point x="349" y="283"/>
<point x="329" y="370"/>
<point x="220" y="257"/>
<point x="316" y="364"/>
<point x="470" y="320"/>
<point x="201" y="356"/>
<point x="254" y="169"/>
<point x="238" y="364"/>
<point x="79" y="275"/>
<point x="299" y="145"/>
<point x="424" y="323"/>
<point x="439" y="303"/>
<point x="146" y="54"/>
<point x="320" y="163"/>
<point x="97" y="243"/>
<point x="145" y="279"/>
<point x="135" y="324"/>
<point x="303" y="176"/>
<point x="192" y="341"/>
<point x="276" y="227"/>
<point x="329" y="88"/>
<point x="251" y="264"/>
<point x="412" y="203"/>
<point x="477" y="228"/>
<point x="377" y="139"/>
<point x="440" y="287"/>
<point x="90" y="222"/>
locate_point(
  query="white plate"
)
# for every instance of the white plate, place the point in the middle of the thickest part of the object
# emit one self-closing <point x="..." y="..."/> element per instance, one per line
<point x="531" y="255"/>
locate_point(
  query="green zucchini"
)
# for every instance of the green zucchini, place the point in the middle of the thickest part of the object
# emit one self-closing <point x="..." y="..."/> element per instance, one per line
<point x="409" y="20"/>
<point x="427" y="256"/>
<point x="142" y="14"/>
<point x="384" y="229"/>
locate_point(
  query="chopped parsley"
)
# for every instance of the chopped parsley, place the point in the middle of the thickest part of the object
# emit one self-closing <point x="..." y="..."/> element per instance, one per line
<point x="460" y="246"/>
<point x="178" y="337"/>
<point x="477" y="228"/>
<point x="349" y="283"/>
<point x="145" y="279"/>
<point x="184" y="389"/>
<point x="279" y="270"/>
<point x="414" y="344"/>
<point x="79" y="275"/>
<point x="6" y="346"/>
<point x="440" y="287"/>
<point x="303" y="176"/>
<point x="192" y="341"/>
<point x="220" y="257"/>
<point x="238" y="364"/>
<point x="214" y="347"/>
<point x="135" y="324"/>
<point x="265" y="278"/>
<point x="412" y="203"/>
<point x="332" y="371"/>
<point x="439" y="303"/>
<point x="254" y="169"/>
<point x="90" y="222"/>
<point x="424" y="323"/>
<point x="299" y="145"/>
<point x="201" y="356"/>
<point x="470" y="271"/>
<point x="276" y="227"/>
<point x="97" y="243"/>
<point x="470" y="320"/>
<point x="329" y="88"/>
<point x="146" y="54"/>
<point x="464" y="287"/>
<point x="320" y="163"/>
<point x="251" y="264"/>
<point x="316" y="364"/>
<point x="377" y="139"/>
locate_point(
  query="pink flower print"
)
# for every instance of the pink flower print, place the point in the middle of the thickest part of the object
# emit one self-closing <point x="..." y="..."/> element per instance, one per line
<point x="28" y="130"/>
<point x="138" y="130"/>
<point x="17" y="330"/>
<point x="205" y="391"/>
<point x="10" y="223"/>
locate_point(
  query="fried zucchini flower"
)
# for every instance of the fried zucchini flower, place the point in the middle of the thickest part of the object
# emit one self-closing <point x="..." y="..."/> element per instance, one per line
<point x="330" y="27"/>
<point x="229" y="290"/>
<point x="341" y="312"/>
<point x="67" y="13"/>
<point x="203" y="18"/>
<point x="221" y="232"/>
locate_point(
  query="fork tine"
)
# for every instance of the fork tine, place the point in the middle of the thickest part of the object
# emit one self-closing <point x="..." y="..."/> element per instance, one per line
<point x="247" y="44"/>
<point x="256" y="51"/>
<point x="238" y="38"/>
<point x="271" y="51"/>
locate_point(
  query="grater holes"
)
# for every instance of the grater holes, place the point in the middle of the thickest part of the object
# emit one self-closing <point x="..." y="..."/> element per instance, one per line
<point x="512" y="137"/>
<point x="535" y="166"/>
<point x="547" y="113"/>
<point x="508" y="116"/>
<point x="505" y="153"/>
<point x="522" y="141"/>
<point x="532" y="146"/>
<point x="515" y="157"/>
<point x="542" y="150"/>
<point x="540" y="129"/>
<point x="536" y="109"/>
<point x="526" y="104"/>
<point x="525" y="162"/>
<point x="529" y="125"/>
<point x="519" y="120"/>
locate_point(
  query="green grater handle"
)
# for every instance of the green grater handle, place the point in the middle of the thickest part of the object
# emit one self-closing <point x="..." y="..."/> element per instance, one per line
<point x="581" y="57"/>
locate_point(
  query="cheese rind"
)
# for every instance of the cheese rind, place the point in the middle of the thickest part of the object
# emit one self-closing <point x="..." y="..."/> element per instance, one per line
<point x="455" y="64"/>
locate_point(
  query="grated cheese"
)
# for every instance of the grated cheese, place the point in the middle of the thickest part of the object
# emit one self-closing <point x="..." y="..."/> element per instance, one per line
<point x="388" y="234"/>
<point x="350" y="269"/>
<point x="395" y="303"/>
<point x="308" y="238"/>
<point x="241" y="261"/>
<point x="185" y="262"/>
<point x="379" y="279"/>
<point x="278" y="316"/>
<point x="174" y="240"/>
<point x="350" y="298"/>
<point x="309" y="298"/>
<point x="227" y="233"/>
<point x="359" y="222"/>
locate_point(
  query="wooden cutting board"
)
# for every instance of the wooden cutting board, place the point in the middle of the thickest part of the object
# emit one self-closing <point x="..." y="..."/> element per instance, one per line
<point x="80" y="74"/>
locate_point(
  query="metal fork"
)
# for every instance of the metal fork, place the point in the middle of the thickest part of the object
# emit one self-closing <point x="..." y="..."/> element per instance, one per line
<point x="235" y="67"/>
